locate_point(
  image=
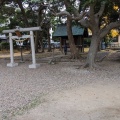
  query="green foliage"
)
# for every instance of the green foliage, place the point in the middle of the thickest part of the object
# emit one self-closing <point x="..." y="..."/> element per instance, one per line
<point x="4" y="45"/>
<point x="3" y="28"/>
<point x="111" y="14"/>
<point x="70" y="9"/>
<point x="87" y="41"/>
<point x="85" y="3"/>
<point x="6" y="12"/>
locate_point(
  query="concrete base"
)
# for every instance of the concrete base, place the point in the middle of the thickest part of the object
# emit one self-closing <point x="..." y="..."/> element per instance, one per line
<point x="12" y="64"/>
<point x="34" y="65"/>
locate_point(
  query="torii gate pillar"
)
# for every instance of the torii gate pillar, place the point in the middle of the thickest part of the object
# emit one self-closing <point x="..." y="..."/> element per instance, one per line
<point x="31" y="36"/>
<point x="33" y="65"/>
<point x="12" y="63"/>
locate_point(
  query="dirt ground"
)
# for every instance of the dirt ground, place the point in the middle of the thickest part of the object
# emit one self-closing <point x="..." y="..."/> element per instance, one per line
<point x="70" y="93"/>
<point x="88" y="102"/>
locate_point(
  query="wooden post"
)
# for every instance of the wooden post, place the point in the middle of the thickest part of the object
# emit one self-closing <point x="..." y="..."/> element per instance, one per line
<point x="12" y="63"/>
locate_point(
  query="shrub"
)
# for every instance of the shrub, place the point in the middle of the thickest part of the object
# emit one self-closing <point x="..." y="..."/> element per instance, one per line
<point x="4" y="45"/>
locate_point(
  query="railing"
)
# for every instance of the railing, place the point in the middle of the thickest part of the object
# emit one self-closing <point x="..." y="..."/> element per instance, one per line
<point x="114" y="45"/>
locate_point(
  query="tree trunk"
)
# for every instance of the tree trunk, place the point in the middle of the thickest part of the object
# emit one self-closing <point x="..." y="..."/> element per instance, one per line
<point x="73" y="49"/>
<point x="39" y="33"/>
<point x="41" y="41"/>
<point x="36" y="41"/>
<point x="90" y="62"/>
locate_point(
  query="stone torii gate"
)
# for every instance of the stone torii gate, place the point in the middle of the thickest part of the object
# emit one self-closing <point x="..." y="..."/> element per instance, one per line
<point x="31" y="36"/>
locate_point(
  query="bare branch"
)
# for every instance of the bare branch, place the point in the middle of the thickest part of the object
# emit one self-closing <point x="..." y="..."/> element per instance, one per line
<point x="80" y="16"/>
<point x="99" y="14"/>
<point x="84" y="22"/>
<point x="74" y="10"/>
<point x="91" y="12"/>
<point x="63" y="13"/>
<point x="76" y="16"/>
<point x="105" y="30"/>
<point x="69" y="15"/>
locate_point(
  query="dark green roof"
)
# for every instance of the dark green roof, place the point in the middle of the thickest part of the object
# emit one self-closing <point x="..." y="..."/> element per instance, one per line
<point x="61" y="30"/>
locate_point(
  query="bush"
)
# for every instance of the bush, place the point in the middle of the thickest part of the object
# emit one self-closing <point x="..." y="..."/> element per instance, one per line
<point x="87" y="41"/>
<point x="4" y="45"/>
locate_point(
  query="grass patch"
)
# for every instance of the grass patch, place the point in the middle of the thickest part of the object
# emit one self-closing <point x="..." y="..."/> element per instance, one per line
<point x="22" y="110"/>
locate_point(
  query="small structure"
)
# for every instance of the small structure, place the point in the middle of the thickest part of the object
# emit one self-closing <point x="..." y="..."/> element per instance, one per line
<point x="19" y="37"/>
<point x="78" y="33"/>
<point x="115" y="42"/>
<point x="118" y="40"/>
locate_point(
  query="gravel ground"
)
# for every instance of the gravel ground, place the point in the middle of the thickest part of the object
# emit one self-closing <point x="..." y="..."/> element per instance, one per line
<point x="19" y="86"/>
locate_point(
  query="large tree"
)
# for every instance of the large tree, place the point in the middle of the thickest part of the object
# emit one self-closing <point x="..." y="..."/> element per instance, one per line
<point x="57" y="10"/>
<point x="98" y="10"/>
<point x="19" y="2"/>
<point x="98" y="17"/>
<point x="25" y="13"/>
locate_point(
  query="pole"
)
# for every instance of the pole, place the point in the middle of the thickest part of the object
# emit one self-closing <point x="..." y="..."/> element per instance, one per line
<point x="33" y="65"/>
<point x="11" y="48"/>
<point x="33" y="48"/>
<point x="21" y="51"/>
<point x="11" y="64"/>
